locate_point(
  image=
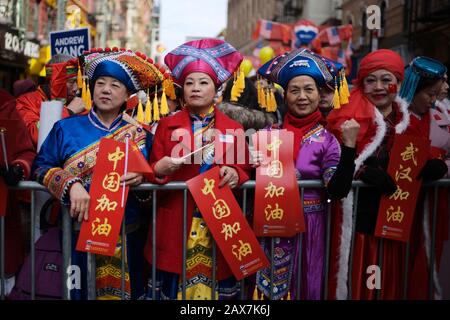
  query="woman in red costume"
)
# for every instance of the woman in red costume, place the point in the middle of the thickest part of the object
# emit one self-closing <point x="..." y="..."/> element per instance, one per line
<point x="381" y="114"/>
<point x="423" y="80"/>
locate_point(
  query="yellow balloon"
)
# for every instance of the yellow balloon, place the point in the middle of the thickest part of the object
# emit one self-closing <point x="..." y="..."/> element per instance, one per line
<point x="246" y="66"/>
<point x="265" y="54"/>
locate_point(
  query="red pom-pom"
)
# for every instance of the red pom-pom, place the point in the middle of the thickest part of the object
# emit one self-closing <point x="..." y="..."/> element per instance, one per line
<point x="107" y="49"/>
<point x="115" y="49"/>
<point x="150" y="60"/>
<point x="123" y="49"/>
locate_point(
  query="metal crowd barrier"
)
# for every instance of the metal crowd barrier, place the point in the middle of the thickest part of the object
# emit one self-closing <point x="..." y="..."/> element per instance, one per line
<point x="67" y="233"/>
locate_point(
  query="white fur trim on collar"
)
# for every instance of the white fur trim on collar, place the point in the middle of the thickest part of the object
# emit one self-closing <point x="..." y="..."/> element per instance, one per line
<point x="404" y="123"/>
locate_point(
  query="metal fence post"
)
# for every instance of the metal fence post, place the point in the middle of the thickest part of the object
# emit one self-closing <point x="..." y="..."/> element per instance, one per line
<point x="67" y="251"/>
<point x="2" y="257"/>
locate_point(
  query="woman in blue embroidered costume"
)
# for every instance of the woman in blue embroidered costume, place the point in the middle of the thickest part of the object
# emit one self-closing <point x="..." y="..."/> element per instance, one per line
<point x="317" y="155"/>
<point x="67" y="158"/>
<point x="200" y="67"/>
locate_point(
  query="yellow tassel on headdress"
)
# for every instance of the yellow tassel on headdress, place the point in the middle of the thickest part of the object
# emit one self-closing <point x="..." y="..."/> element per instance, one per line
<point x="336" y="103"/>
<point x="267" y="100"/>
<point x="238" y="86"/>
<point x="255" y="294"/>
<point x="258" y="91"/>
<point x="140" y="112"/>
<point x="170" y="89"/>
<point x="288" y="295"/>
<point x="234" y="94"/>
<point x="343" y="97"/>
<point x="148" y="110"/>
<point x="344" y="87"/>
<point x="269" y="106"/>
<point x="79" y="77"/>
<point x="155" y="107"/>
<point x="164" y="106"/>
<point x="83" y="92"/>
<point x="273" y="101"/>
<point x="241" y="82"/>
<point x="88" y="103"/>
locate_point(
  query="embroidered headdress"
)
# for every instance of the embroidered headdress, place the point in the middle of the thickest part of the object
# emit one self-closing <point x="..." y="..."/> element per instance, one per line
<point x="134" y="69"/>
<point x="215" y="57"/>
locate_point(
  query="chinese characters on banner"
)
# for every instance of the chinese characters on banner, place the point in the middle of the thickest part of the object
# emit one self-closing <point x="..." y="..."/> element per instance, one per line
<point x="227" y="224"/>
<point x="100" y="233"/>
<point x="278" y="211"/>
<point x="396" y="212"/>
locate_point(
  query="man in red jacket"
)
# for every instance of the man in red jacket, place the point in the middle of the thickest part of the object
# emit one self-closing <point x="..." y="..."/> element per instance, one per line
<point x="29" y="104"/>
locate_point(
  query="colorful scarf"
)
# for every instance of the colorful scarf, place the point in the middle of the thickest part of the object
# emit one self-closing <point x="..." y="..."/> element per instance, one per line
<point x="199" y="245"/>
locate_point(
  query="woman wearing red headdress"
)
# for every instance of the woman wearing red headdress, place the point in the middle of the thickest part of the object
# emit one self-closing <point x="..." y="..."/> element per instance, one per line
<point x="200" y="67"/>
<point x="381" y="115"/>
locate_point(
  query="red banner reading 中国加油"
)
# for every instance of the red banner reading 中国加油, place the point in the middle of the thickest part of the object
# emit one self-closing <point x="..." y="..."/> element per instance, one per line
<point x="227" y="224"/>
<point x="278" y="211"/>
<point x="100" y="233"/>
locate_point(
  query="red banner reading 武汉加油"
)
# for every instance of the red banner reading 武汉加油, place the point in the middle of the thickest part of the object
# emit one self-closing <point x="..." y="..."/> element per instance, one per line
<point x="227" y="224"/>
<point x="278" y="211"/>
<point x="396" y="212"/>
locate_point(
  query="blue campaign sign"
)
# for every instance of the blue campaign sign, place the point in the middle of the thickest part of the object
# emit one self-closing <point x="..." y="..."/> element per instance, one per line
<point x="72" y="42"/>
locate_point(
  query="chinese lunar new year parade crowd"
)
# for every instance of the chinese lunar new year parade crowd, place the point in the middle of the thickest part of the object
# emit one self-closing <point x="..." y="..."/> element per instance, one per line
<point x="114" y="119"/>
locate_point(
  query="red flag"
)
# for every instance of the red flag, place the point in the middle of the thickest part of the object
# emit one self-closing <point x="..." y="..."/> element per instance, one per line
<point x="137" y="162"/>
<point x="58" y="87"/>
<point x="132" y="102"/>
<point x="271" y="30"/>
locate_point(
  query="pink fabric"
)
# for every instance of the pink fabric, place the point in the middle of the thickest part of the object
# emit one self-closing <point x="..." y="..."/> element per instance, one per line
<point x="225" y="59"/>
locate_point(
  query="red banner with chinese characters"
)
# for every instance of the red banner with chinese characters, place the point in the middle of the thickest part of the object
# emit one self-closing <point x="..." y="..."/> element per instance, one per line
<point x="278" y="211"/>
<point x="100" y="233"/>
<point x="396" y="212"/>
<point x="227" y="224"/>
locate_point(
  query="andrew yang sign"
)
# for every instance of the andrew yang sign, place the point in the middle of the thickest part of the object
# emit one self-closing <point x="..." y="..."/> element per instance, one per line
<point x="72" y="42"/>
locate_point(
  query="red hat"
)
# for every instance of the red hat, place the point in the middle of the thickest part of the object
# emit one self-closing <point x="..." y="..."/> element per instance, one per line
<point x="215" y="57"/>
<point x="381" y="59"/>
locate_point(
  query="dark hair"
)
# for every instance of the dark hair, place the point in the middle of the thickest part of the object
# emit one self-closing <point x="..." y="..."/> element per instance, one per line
<point x="426" y="83"/>
<point x="249" y="118"/>
<point x="248" y="98"/>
